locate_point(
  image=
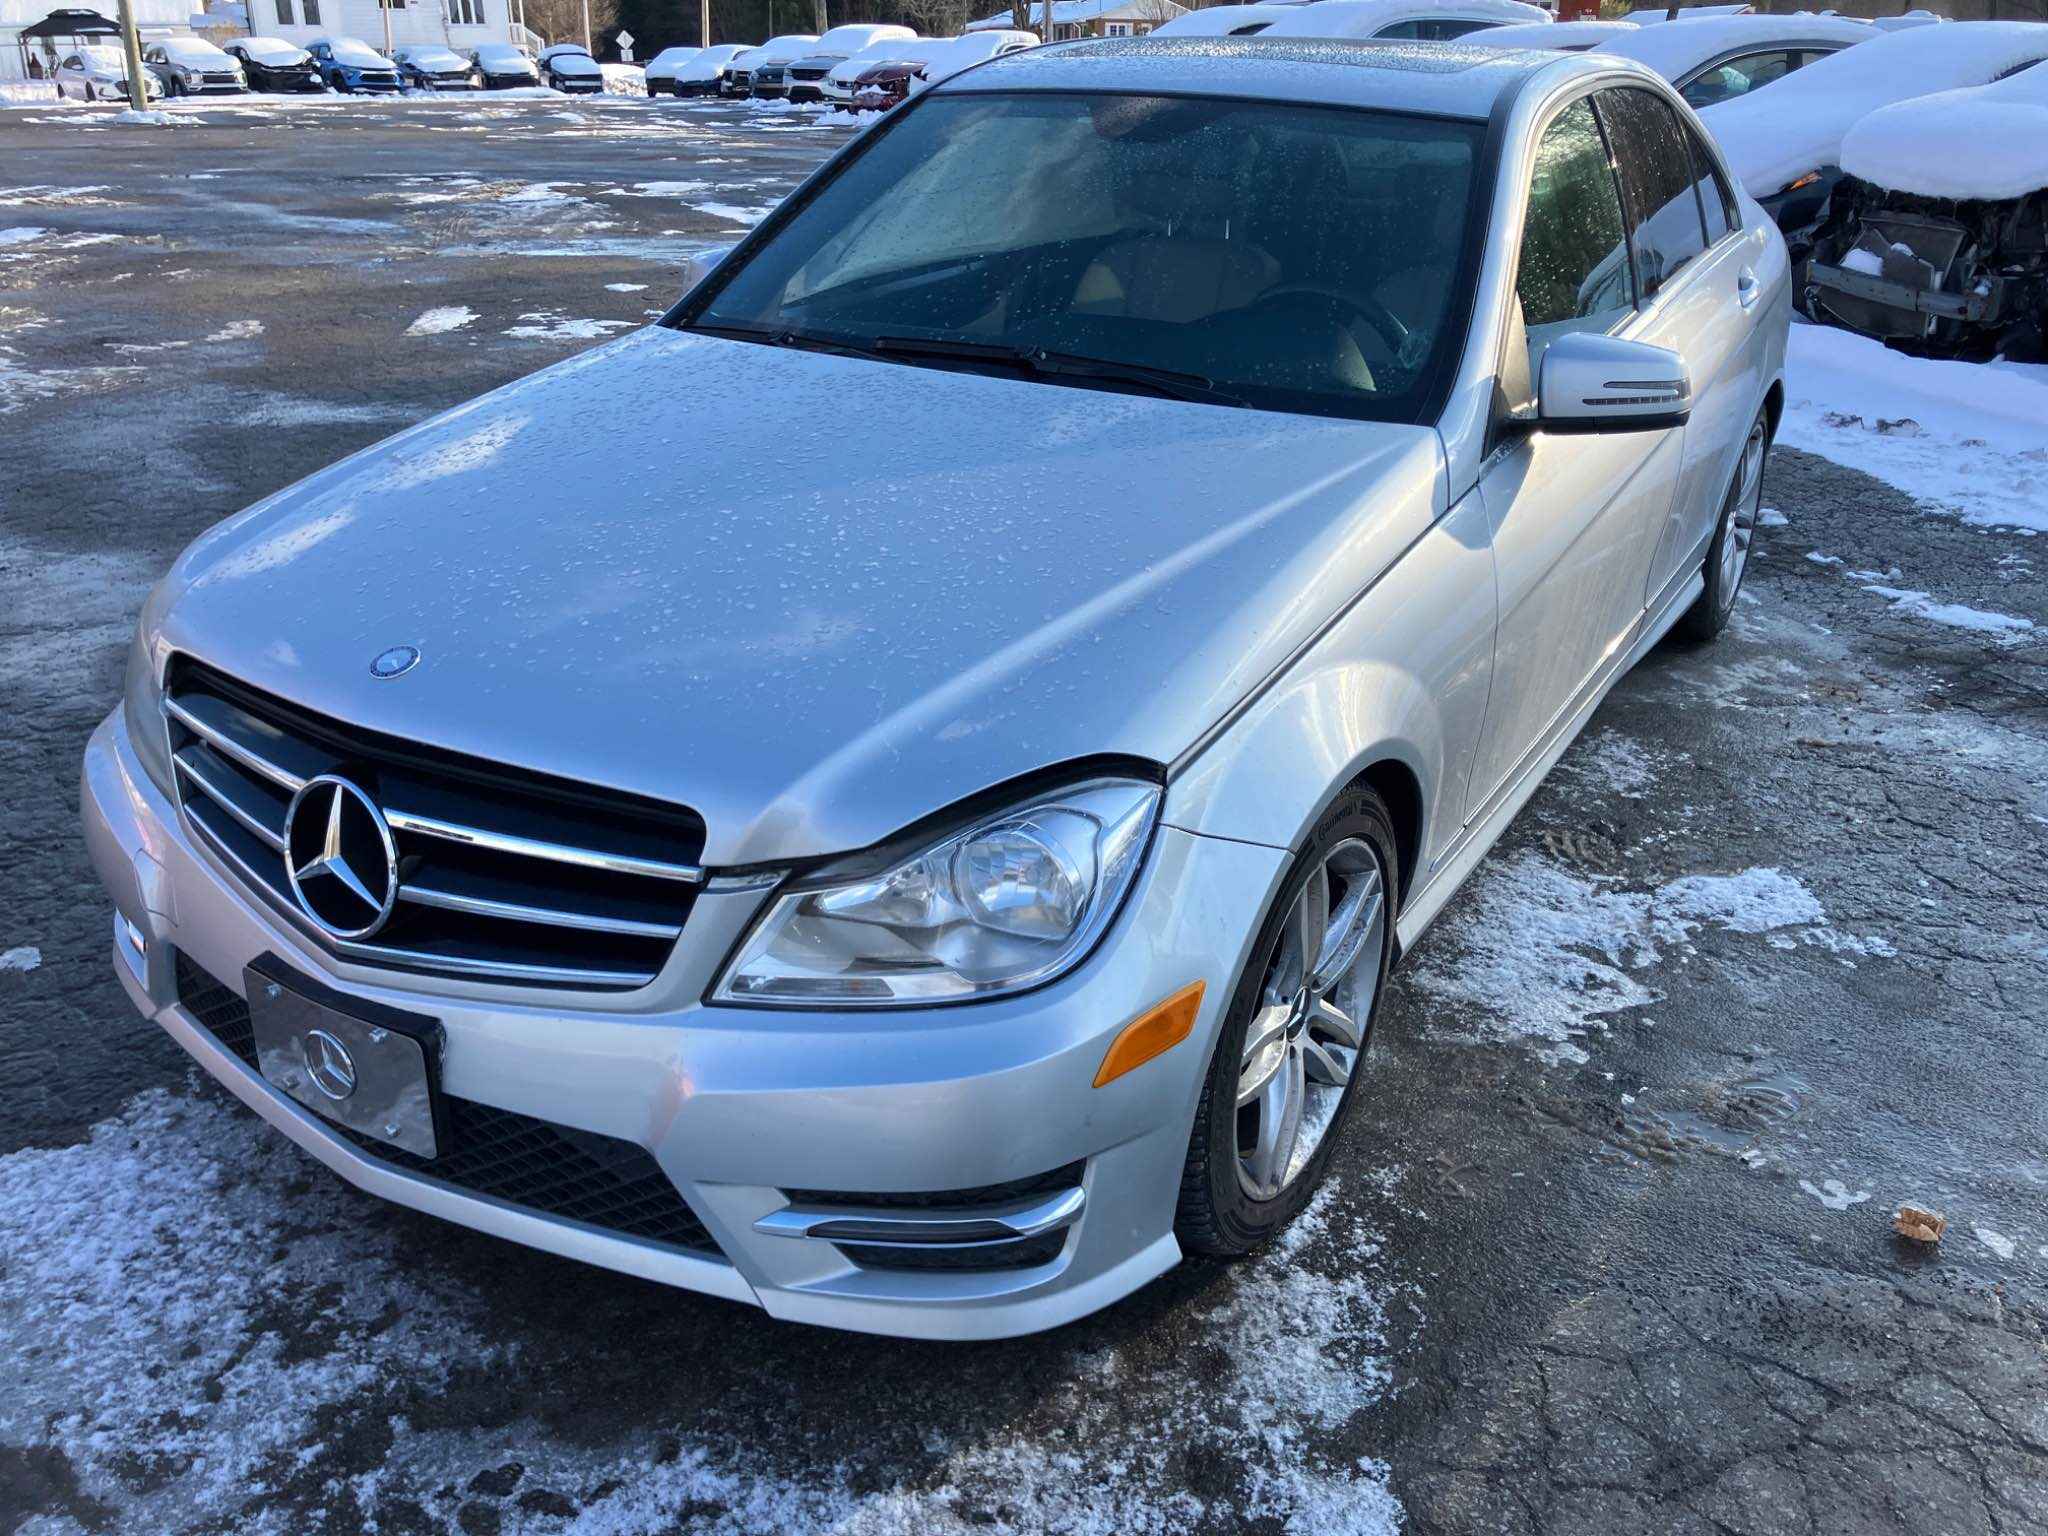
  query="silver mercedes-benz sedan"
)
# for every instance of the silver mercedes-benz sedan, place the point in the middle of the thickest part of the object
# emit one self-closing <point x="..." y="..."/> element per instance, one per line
<point x="932" y="887"/>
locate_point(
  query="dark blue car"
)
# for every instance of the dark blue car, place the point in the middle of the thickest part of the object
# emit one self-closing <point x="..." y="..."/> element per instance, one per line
<point x="350" y="64"/>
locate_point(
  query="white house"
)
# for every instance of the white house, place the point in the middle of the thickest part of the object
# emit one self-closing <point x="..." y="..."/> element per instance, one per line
<point x="1089" y="18"/>
<point x="457" y="23"/>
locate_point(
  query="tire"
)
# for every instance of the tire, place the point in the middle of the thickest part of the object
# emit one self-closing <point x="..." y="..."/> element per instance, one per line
<point x="1230" y="1150"/>
<point x="1728" y="556"/>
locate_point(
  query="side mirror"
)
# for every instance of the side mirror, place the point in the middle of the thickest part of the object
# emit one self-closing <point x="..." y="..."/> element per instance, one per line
<point x="1594" y="383"/>
<point x="701" y="266"/>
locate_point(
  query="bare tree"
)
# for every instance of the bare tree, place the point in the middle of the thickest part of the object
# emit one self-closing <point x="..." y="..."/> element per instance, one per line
<point x="935" y="18"/>
<point x="561" y="21"/>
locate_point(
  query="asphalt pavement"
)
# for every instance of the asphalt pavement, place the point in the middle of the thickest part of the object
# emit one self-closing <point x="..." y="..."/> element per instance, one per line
<point x="1609" y="1249"/>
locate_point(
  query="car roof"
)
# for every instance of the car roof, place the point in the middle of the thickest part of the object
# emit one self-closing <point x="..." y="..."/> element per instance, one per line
<point x="1442" y="79"/>
<point x="1672" y="50"/>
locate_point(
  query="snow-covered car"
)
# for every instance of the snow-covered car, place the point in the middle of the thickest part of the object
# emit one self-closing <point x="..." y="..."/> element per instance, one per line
<point x="1719" y="58"/>
<point x="1563" y="36"/>
<point x="931" y="887"/>
<point x="1786" y="143"/>
<point x="1224" y="20"/>
<point x="431" y="67"/>
<point x="273" y="65"/>
<point x="99" y="72"/>
<point x="805" y="77"/>
<point x="568" y="67"/>
<point x="736" y="75"/>
<point x="660" y="73"/>
<point x="1936" y="237"/>
<point x="350" y="65"/>
<point x="780" y="51"/>
<point x="842" y="79"/>
<point x="1425" y="21"/>
<point x="503" y="66"/>
<point x="1906" y="19"/>
<point x="699" y="76"/>
<point x="191" y="66"/>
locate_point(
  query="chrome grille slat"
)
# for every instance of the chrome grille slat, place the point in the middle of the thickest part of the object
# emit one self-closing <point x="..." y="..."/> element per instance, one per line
<point x="497" y="884"/>
<point x="484" y="906"/>
<point x="248" y="757"/>
<point x="192" y="763"/>
<point x="535" y="848"/>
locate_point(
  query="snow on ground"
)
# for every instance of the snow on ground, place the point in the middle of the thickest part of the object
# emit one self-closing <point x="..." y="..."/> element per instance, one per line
<point x="2006" y="627"/>
<point x="22" y="957"/>
<point x="196" y="1315"/>
<point x="1535" y="952"/>
<point x="738" y="213"/>
<point x="1968" y="439"/>
<point x="547" y="325"/>
<point x="437" y="322"/>
<point x="1834" y="1194"/>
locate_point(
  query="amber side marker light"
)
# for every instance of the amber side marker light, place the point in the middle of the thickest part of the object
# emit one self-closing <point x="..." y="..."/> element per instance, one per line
<point x="1152" y="1033"/>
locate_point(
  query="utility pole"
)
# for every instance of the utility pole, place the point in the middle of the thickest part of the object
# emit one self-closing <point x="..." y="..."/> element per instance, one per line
<point x="385" y="7"/>
<point x="703" y="23"/>
<point x="1045" y="26"/>
<point x="818" y="17"/>
<point x="138" y="94"/>
<point x="586" y="30"/>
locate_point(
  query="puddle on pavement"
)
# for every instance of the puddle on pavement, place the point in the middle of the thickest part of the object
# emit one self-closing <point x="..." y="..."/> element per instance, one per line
<point x="1733" y="1119"/>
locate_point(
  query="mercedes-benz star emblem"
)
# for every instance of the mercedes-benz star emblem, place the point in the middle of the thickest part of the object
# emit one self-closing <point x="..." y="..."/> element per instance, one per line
<point x="329" y="1064"/>
<point x="396" y="662"/>
<point x="340" y="858"/>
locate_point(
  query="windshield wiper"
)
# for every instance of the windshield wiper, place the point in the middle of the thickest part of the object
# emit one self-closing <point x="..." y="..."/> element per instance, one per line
<point x="1036" y="360"/>
<point x="805" y="341"/>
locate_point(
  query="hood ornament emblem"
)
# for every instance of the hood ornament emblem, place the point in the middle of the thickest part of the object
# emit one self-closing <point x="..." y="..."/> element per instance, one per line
<point x="396" y="662"/>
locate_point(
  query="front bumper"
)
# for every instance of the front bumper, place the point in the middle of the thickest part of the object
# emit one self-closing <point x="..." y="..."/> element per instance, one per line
<point x="738" y="1106"/>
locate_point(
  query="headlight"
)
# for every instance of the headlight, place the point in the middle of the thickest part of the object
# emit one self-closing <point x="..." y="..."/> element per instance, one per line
<point x="1010" y="902"/>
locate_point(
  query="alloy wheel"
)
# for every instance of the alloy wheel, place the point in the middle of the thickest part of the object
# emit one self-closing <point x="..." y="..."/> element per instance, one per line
<point x="1305" y="1039"/>
<point x="1741" y="528"/>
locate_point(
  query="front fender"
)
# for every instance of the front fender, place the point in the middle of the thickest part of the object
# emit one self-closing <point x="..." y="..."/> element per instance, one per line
<point x="1401" y="677"/>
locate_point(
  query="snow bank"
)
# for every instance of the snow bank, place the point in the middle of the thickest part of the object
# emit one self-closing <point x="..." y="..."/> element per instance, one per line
<point x="1774" y="137"/>
<point x="1936" y="145"/>
<point x="1965" y="438"/>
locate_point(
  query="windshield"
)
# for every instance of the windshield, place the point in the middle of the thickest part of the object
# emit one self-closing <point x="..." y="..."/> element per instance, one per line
<point x="192" y="50"/>
<point x="104" y="56"/>
<point x="1282" y="256"/>
<point x="270" y="50"/>
<point x="349" y="51"/>
<point x="576" y="63"/>
<point x="434" y="58"/>
<point x="502" y="53"/>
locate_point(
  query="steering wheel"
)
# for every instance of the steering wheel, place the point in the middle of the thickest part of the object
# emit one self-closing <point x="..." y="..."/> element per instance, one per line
<point x="1351" y="306"/>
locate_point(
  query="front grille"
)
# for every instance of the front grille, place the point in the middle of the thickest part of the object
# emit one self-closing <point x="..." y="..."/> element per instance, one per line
<point x="601" y="1181"/>
<point x="808" y="74"/>
<point x="503" y="876"/>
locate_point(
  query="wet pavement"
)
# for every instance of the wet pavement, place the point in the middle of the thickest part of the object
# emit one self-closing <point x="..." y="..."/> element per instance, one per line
<point x="1610" y="1250"/>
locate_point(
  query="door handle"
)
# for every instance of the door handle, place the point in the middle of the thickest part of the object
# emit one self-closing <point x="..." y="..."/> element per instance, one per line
<point x="1747" y="289"/>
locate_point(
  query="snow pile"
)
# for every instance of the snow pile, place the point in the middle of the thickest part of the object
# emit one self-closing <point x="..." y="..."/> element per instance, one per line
<point x="1964" y="438"/>
<point x="624" y="79"/>
<point x="22" y="957"/>
<point x="2006" y="627"/>
<point x="437" y="322"/>
<point x="1985" y="141"/>
<point x="737" y="213"/>
<point x="1539" y="954"/>
<point x="1774" y="137"/>
<point x="547" y="325"/>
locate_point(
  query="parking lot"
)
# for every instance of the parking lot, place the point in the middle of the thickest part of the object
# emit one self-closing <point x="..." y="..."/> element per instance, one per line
<point x="1608" y="1249"/>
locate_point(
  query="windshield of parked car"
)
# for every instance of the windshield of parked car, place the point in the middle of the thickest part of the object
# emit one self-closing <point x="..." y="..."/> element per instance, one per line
<point x="503" y="53"/>
<point x="348" y="51"/>
<point x="104" y="57"/>
<point x="573" y="62"/>
<point x="1277" y="255"/>
<point x="272" y="50"/>
<point x="193" y="50"/>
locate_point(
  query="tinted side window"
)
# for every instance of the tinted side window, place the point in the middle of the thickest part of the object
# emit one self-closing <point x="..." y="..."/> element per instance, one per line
<point x="1574" y="273"/>
<point x="1447" y="31"/>
<point x="1664" y="219"/>
<point x="1737" y="77"/>
<point x="1401" y="31"/>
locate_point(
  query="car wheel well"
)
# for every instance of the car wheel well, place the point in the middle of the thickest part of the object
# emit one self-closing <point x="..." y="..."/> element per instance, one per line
<point x="1774" y="406"/>
<point x="1396" y="784"/>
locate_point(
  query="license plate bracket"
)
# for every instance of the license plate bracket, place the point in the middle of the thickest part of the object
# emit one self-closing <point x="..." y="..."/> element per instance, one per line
<point x="371" y="1068"/>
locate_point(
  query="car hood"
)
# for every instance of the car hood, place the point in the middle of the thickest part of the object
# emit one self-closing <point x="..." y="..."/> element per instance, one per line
<point x="814" y="597"/>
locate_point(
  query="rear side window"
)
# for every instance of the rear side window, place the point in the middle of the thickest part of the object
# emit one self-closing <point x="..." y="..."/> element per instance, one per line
<point x="1717" y="198"/>
<point x="1665" y="223"/>
<point x="1738" y="77"/>
<point x="1429" y="31"/>
<point x="1574" y="273"/>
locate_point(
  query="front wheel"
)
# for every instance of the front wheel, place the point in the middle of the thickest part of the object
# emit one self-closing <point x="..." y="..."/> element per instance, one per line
<point x="1734" y="536"/>
<point x="1285" y="1073"/>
